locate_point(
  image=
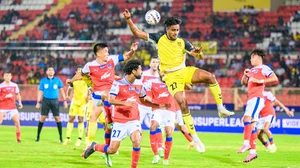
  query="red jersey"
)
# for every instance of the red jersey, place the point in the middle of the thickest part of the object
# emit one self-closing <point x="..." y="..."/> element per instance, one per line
<point x="159" y="92"/>
<point x="125" y="91"/>
<point x="259" y="72"/>
<point x="102" y="75"/>
<point x="268" y="109"/>
<point x="8" y="103"/>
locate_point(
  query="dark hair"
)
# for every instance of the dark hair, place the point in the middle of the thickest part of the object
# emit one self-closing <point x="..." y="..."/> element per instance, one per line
<point x="130" y="66"/>
<point x="154" y="57"/>
<point x="259" y="51"/>
<point x="50" y="66"/>
<point x="79" y="66"/>
<point x="6" y="72"/>
<point x="172" y="21"/>
<point x="99" y="46"/>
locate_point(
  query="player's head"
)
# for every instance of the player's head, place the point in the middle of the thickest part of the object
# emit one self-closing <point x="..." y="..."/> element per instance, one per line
<point x="133" y="67"/>
<point x="78" y="69"/>
<point x="154" y="62"/>
<point x="101" y="51"/>
<point x="7" y="76"/>
<point x="172" y="27"/>
<point x="50" y="71"/>
<point x="257" y="56"/>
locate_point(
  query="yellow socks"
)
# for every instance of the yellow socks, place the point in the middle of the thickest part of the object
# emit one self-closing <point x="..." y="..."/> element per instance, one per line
<point x="70" y="126"/>
<point x="92" y="131"/>
<point x="216" y="92"/>
<point x="189" y="122"/>
<point x="80" y="129"/>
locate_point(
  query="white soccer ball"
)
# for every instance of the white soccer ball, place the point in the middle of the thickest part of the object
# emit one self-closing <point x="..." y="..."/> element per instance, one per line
<point x="152" y="17"/>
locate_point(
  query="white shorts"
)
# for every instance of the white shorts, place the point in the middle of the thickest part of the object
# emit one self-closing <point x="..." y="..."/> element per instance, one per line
<point x="11" y="113"/>
<point x="121" y="130"/>
<point x="145" y="112"/>
<point x="261" y="122"/>
<point x="253" y="107"/>
<point x="165" y="117"/>
<point x="98" y="102"/>
<point x="179" y="118"/>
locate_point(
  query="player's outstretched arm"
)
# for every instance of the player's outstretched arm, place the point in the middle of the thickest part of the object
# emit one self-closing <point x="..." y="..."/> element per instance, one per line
<point x="112" y="100"/>
<point x="287" y="111"/>
<point x="133" y="48"/>
<point x="76" y="77"/>
<point x="135" y="31"/>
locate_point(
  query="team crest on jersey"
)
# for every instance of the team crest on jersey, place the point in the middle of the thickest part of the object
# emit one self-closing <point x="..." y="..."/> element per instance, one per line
<point x="109" y="66"/>
<point x="254" y="70"/>
<point x="102" y="66"/>
<point x="46" y="86"/>
<point x="179" y="43"/>
<point x="162" y="86"/>
<point x="54" y="86"/>
<point x="137" y="90"/>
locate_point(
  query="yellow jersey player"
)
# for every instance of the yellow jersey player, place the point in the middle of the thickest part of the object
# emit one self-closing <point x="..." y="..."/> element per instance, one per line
<point x="172" y="51"/>
<point x="77" y="108"/>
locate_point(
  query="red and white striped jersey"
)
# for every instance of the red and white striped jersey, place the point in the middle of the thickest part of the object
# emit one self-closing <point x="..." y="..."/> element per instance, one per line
<point x="268" y="109"/>
<point x="259" y="72"/>
<point x="7" y="102"/>
<point x="125" y="91"/>
<point x="102" y="75"/>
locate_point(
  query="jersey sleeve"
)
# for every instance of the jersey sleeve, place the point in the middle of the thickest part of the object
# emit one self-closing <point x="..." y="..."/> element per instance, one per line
<point x="114" y="90"/>
<point x="271" y="97"/>
<point x="117" y="58"/>
<point x="85" y="68"/>
<point x="154" y="37"/>
<point x="60" y="84"/>
<point x="267" y="71"/>
<point x="147" y="85"/>
<point x="41" y="86"/>
<point x="188" y="46"/>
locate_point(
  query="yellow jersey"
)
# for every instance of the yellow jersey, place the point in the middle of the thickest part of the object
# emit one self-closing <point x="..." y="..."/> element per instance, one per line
<point x="80" y="92"/>
<point x="171" y="53"/>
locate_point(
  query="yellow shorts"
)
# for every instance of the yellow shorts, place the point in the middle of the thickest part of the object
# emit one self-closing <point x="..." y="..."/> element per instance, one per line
<point x="177" y="80"/>
<point x="77" y="110"/>
<point x="101" y="118"/>
<point x="88" y="111"/>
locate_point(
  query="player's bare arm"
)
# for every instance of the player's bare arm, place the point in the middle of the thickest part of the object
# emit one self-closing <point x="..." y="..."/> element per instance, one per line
<point x="62" y="92"/>
<point x="76" y="77"/>
<point x="19" y="101"/>
<point x="69" y="93"/>
<point x="287" y="111"/>
<point x="135" y="31"/>
<point x="244" y="80"/>
<point x="133" y="48"/>
<point x="39" y="99"/>
<point x="197" y="53"/>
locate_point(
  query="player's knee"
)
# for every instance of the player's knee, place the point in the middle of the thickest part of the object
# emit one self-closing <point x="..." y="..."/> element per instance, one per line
<point x="266" y="129"/>
<point x="169" y="133"/>
<point x="136" y="142"/>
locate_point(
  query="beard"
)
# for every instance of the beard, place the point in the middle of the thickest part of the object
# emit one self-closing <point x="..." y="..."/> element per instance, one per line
<point x="137" y="76"/>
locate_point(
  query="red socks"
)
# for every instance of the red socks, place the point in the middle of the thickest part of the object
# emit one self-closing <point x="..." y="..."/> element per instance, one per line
<point x="247" y="130"/>
<point x="168" y="146"/>
<point x="135" y="157"/>
<point x="153" y="142"/>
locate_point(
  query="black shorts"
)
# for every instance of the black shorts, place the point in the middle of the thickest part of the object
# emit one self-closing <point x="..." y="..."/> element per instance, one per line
<point x="50" y="104"/>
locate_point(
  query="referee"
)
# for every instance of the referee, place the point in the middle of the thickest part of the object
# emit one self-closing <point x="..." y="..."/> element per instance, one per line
<point x="48" y="94"/>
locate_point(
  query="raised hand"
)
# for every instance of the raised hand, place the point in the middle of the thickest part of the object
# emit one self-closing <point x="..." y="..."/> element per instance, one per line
<point x="127" y="14"/>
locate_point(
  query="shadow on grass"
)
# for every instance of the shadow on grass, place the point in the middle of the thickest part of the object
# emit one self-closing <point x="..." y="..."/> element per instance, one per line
<point x="226" y="160"/>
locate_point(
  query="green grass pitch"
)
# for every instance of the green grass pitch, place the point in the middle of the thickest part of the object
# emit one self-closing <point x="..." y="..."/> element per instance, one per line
<point x="220" y="151"/>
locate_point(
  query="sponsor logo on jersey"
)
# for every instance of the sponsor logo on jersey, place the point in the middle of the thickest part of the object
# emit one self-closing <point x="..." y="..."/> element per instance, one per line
<point x="105" y="75"/>
<point x="163" y="94"/>
<point x="131" y="99"/>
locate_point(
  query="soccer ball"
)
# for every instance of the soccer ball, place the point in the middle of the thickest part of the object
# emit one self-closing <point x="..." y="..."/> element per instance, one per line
<point x="152" y="17"/>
